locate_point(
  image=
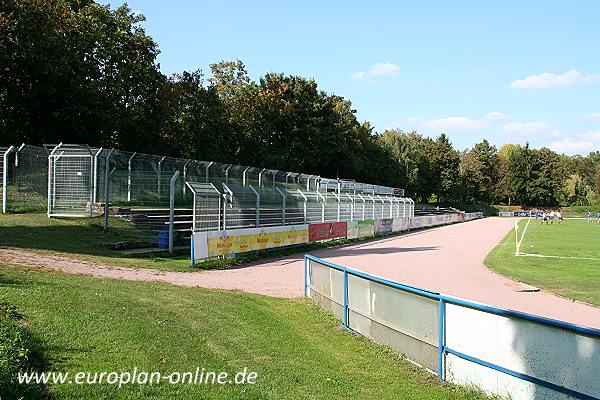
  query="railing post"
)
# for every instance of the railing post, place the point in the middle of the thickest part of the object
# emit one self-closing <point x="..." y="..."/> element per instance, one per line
<point x="172" y="209"/>
<point x="346" y="300"/>
<point x="441" y="339"/>
<point x="305" y="272"/>
<point x="5" y="178"/>
<point x="129" y="177"/>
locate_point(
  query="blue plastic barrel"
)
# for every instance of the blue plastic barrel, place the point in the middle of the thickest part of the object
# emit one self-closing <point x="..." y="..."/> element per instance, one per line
<point x="163" y="239"/>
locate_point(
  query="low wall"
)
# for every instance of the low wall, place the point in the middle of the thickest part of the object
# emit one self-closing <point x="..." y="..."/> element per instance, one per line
<point x="230" y="242"/>
<point x="503" y="352"/>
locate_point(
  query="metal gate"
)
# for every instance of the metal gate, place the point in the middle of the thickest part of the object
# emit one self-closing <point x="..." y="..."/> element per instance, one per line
<point x="70" y="181"/>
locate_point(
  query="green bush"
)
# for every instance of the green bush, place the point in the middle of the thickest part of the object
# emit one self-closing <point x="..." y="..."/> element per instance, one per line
<point x="16" y="354"/>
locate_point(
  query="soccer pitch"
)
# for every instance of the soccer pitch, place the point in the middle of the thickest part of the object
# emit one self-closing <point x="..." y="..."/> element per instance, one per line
<point x="562" y="258"/>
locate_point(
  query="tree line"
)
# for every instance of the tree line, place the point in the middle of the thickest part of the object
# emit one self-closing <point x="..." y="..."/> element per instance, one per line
<point x="79" y="72"/>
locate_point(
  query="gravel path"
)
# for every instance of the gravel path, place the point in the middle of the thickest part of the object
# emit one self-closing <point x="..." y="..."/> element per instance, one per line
<point x="446" y="259"/>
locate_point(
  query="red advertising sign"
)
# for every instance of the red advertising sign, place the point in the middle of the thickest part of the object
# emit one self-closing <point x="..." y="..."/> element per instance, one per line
<point x="328" y="230"/>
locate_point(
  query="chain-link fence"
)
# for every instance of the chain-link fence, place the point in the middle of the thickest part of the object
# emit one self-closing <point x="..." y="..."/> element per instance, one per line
<point x="28" y="179"/>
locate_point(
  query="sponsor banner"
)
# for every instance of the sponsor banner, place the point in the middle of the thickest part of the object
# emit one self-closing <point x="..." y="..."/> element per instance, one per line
<point x="221" y="243"/>
<point x="352" y="228"/>
<point x="366" y="228"/>
<point x="327" y="230"/>
<point x="400" y="224"/>
<point x="359" y="229"/>
<point x="383" y="226"/>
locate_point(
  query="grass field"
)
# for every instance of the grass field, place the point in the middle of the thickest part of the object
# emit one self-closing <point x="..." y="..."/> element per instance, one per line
<point x="561" y="258"/>
<point x="296" y="348"/>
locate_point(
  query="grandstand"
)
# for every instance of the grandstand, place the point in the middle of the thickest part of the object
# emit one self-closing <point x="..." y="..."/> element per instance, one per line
<point x="160" y="193"/>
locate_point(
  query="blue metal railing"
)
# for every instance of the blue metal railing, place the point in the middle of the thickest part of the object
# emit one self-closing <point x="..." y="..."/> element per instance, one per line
<point x="443" y="300"/>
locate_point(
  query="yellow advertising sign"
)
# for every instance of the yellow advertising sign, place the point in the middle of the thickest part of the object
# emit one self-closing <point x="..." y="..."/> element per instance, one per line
<point x="261" y="240"/>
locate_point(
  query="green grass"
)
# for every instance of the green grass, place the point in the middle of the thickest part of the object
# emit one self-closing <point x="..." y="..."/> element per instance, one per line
<point x="576" y="278"/>
<point x="296" y="348"/>
<point x="81" y="238"/>
<point x="17" y="352"/>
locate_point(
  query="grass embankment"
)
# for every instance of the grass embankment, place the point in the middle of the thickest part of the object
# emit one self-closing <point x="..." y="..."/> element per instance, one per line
<point x="296" y="348"/>
<point x="577" y="277"/>
<point x="84" y="239"/>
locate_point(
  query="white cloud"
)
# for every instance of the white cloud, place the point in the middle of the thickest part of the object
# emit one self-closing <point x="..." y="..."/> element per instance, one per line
<point x="528" y="130"/>
<point x="595" y="116"/>
<point x="454" y="125"/>
<point x="379" y="70"/>
<point x="415" y="120"/>
<point x="580" y="144"/>
<point x="550" y="80"/>
<point x="496" y="116"/>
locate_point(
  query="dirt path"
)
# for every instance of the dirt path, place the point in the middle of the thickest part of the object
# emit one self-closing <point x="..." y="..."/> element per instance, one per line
<point x="447" y="259"/>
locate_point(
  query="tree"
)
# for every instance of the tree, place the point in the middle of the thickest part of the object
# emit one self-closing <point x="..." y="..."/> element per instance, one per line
<point x="78" y="71"/>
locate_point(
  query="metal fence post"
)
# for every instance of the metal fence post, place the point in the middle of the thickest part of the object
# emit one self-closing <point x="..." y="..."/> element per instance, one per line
<point x="129" y="177"/>
<point x="172" y="209"/>
<point x="305" y="200"/>
<point x="283" y="197"/>
<point x="5" y="178"/>
<point x="351" y="207"/>
<point x="244" y="176"/>
<point x="207" y="168"/>
<point x="260" y="177"/>
<point x="95" y="174"/>
<point x="322" y="206"/>
<point x="257" y="205"/>
<point x="106" y="183"/>
<point x="185" y="176"/>
<point x="159" y="176"/>
<point x="227" y="174"/>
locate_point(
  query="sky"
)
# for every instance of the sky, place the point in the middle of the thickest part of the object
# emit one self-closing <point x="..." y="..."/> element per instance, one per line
<point x="509" y="71"/>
